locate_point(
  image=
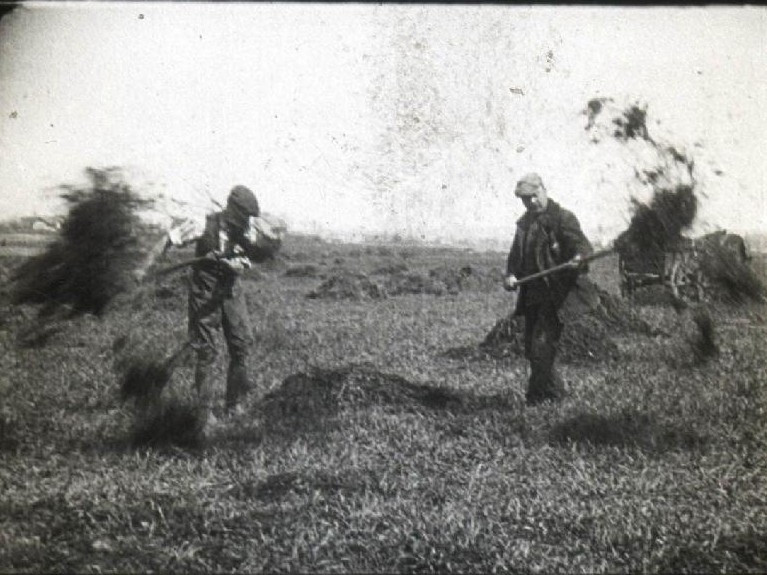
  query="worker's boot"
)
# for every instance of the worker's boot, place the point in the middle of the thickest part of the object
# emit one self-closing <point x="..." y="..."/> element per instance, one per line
<point x="544" y="385"/>
<point x="237" y="386"/>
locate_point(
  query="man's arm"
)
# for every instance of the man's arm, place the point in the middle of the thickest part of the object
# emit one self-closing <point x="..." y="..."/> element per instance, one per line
<point x="572" y="237"/>
<point x="513" y="264"/>
<point x="158" y="248"/>
<point x="180" y="235"/>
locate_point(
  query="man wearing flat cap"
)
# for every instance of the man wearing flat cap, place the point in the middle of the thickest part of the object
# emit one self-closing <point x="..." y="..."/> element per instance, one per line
<point x="223" y="244"/>
<point x="547" y="235"/>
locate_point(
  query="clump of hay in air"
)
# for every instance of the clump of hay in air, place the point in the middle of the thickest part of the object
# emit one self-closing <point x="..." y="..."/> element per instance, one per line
<point x="92" y="259"/>
<point x="657" y="226"/>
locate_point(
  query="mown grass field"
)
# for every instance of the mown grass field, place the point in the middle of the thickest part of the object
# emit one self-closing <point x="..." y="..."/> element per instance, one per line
<point x="388" y="454"/>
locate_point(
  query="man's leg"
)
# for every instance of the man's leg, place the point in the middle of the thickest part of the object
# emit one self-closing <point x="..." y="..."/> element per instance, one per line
<point x="203" y="306"/>
<point x="544" y="383"/>
<point x="239" y="338"/>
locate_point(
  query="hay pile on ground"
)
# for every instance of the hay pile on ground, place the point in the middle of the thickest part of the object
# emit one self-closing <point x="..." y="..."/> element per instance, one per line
<point x="311" y="401"/>
<point x="92" y="260"/>
<point x="438" y="281"/>
<point x="345" y="284"/>
<point x="302" y="271"/>
<point x="391" y="267"/>
<point x="591" y="317"/>
<point x="444" y="280"/>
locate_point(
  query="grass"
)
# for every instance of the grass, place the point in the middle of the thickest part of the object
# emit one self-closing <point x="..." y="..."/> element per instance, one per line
<point x="366" y="448"/>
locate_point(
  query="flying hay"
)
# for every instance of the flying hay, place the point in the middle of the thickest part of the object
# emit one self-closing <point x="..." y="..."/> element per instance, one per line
<point x="656" y="226"/>
<point x="158" y="420"/>
<point x="92" y="259"/>
<point x="728" y="275"/>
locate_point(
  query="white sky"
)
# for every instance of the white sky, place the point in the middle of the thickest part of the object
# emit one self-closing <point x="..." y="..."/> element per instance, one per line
<point x="364" y="118"/>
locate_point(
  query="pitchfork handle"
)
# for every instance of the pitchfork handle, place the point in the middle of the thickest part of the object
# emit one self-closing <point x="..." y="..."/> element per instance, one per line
<point x="564" y="266"/>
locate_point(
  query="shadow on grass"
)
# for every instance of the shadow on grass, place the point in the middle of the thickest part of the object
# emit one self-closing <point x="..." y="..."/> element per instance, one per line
<point x="9" y="434"/>
<point x="740" y="553"/>
<point x="279" y="485"/>
<point x="625" y="429"/>
<point x="311" y="402"/>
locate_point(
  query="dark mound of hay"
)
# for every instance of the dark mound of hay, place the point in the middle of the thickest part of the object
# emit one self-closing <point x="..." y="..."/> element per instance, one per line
<point x="404" y="283"/>
<point x="311" y="401"/>
<point x="172" y="424"/>
<point x="591" y="316"/>
<point x="347" y="285"/>
<point x="390" y="268"/>
<point x="444" y="280"/>
<point x="439" y="281"/>
<point x="302" y="271"/>
<point x="91" y="261"/>
<point x="466" y="278"/>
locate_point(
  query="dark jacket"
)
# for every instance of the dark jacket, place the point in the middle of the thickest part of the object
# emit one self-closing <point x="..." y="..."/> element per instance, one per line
<point x="217" y="238"/>
<point x="543" y="240"/>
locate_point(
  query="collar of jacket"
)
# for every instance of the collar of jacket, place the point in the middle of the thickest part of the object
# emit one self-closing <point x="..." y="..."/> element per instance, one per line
<point x="550" y="213"/>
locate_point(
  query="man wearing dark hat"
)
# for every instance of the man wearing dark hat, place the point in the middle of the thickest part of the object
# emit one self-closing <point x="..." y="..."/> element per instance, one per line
<point x="546" y="235"/>
<point x="215" y="293"/>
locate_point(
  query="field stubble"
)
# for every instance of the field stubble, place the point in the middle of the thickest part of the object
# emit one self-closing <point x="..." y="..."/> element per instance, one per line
<point x="366" y="448"/>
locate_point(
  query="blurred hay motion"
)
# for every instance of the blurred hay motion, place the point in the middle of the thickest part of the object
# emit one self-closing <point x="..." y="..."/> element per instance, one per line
<point x="159" y="419"/>
<point x="92" y="259"/>
<point x="730" y="278"/>
<point x="704" y="345"/>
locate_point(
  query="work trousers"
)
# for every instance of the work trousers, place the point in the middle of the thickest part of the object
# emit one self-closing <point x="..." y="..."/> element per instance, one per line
<point x="216" y="300"/>
<point x="543" y="330"/>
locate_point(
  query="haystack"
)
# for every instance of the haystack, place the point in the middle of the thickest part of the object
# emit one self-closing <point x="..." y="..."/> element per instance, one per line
<point x="344" y="284"/>
<point x="312" y="401"/>
<point x="592" y="318"/>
